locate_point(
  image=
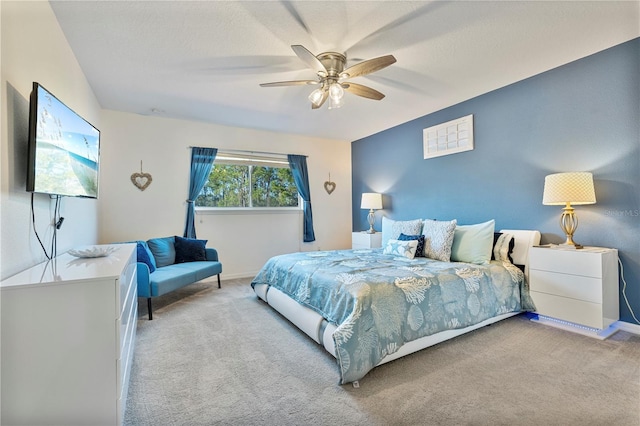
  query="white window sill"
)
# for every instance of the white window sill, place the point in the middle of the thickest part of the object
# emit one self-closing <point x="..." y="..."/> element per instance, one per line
<point x="247" y="210"/>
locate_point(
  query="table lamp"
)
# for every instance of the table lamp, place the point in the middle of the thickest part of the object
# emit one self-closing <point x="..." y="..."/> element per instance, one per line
<point x="567" y="189"/>
<point x="371" y="201"/>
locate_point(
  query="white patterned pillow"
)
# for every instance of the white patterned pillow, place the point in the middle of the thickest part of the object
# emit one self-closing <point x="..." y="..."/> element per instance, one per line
<point x="503" y="247"/>
<point x="438" y="238"/>
<point x="401" y="248"/>
<point x="391" y="229"/>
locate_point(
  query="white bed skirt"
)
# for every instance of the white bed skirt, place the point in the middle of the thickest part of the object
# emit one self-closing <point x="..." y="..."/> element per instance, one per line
<point x="316" y="327"/>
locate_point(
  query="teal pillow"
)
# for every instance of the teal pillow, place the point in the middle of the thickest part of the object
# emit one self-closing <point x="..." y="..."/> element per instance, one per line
<point x="163" y="250"/>
<point x="473" y="243"/>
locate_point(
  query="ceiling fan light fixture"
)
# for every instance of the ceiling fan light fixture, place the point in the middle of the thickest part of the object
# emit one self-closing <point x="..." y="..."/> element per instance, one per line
<point x="335" y="103"/>
<point x="316" y="97"/>
<point x="336" y="92"/>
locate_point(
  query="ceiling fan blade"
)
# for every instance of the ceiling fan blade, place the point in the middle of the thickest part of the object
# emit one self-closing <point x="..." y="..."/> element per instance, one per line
<point x="289" y="83"/>
<point x="291" y="8"/>
<point x="325" y="95"/>
<point x="367" y="67"/>
<point x="309" y="58"/>
<point x="408" y="20"/>
<point x="364" y="91"/>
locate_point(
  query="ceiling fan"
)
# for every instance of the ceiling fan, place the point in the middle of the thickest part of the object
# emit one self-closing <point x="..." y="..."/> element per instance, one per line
<point x="332" y="76"/>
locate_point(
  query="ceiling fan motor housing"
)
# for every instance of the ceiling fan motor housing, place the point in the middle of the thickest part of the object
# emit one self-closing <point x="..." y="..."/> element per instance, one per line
<point x="333" y="62"/>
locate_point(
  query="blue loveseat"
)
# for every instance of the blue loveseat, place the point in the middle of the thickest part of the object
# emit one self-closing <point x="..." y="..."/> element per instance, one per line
<point x="166" y="264"/>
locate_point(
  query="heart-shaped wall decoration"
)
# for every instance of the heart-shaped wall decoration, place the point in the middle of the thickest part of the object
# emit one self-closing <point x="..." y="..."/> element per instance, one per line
<point x="141" y="180"/>
<point x="329" y="186"/>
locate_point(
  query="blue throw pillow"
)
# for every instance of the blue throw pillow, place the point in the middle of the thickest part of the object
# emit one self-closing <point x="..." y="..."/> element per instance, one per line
<point x="190" y="250"/>
<point x="145" y="256"/>
<point x="163" y="250"/>
<point x="420" y="238"/>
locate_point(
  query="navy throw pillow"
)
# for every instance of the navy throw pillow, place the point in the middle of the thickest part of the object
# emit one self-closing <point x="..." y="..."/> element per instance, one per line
<point x="145" y="256"/>
<point x="420" y="238"/>
<point x="190" y="250"/>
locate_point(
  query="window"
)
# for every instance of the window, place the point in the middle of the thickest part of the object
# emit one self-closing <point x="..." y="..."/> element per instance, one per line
<point x="246" y="181"/>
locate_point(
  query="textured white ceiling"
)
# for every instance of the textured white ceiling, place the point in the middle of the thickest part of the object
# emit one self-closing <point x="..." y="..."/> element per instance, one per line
<point x="204" y="60"/>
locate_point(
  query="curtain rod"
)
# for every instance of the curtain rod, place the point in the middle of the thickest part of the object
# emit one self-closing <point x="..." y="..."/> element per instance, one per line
<point x="244" y="151"/>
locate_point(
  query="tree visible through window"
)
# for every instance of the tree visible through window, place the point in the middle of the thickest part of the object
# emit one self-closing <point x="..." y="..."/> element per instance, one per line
<point x="239" y="181"/>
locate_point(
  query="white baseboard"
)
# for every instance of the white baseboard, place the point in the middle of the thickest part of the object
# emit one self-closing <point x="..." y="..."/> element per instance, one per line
<point x="628" y="327"/>
<point x="225" y="277"/>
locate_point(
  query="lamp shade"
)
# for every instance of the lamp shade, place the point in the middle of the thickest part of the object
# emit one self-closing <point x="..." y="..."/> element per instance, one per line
<point x="371" y="200"/>
<point x="573" y="187"/>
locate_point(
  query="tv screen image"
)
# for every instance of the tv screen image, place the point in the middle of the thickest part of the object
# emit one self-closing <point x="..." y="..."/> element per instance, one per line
<point x="64" y="149"/>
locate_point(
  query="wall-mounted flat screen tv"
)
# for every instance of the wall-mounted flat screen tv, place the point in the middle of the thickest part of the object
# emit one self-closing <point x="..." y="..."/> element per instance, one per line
<point x="64" y="149"/>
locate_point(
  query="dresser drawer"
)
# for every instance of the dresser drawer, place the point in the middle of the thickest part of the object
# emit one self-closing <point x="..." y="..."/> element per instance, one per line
<point x="576" y="262"/>
<point x="567" y="309"/>
<point x="565" y="285"/>
<point x="128" y="321"/>
<point x="126" y="281"/>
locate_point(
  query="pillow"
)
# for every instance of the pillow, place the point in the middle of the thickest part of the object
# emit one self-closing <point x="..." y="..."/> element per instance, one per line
<point x="391" y="229"/>
<point x="163" y="250"/>
<point x="503" y="245"/>
<point x="401" y="248"/>
<point x="438" y="237"/>
<point x="473" y="243"/>
<point x="419" y="238"/>
<point x="190" y="250"/>
<point x="144" y="255"/>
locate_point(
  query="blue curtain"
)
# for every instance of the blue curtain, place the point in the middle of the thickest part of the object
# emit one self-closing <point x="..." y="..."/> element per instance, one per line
<point x="201" y="164"/>
<point x="298" y="165"/>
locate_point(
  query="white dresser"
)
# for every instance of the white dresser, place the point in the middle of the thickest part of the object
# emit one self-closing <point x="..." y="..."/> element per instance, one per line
<point x="578" y="286"/>
<point x="68" y="331"/>
<point x="363" y="240"/>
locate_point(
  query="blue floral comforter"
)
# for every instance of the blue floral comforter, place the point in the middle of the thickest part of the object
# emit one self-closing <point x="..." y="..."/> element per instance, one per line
<point x="379" y="302"/>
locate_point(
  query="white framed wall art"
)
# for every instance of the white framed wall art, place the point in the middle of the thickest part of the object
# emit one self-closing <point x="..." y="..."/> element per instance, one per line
<point x="448" y="138"/>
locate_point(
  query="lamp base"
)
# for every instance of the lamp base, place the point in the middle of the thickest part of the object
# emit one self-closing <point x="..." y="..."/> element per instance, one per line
<point x="370" y="231"/>
<point x="570" y="246"/>
<point x="371" y="218"/>
<point x="569" y="224"/>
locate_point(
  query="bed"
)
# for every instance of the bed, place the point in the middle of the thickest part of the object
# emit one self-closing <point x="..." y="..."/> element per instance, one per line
<point x="367" y="308"/>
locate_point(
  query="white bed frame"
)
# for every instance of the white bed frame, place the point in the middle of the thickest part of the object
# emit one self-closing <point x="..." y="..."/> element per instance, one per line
<point x="316" y="327"/>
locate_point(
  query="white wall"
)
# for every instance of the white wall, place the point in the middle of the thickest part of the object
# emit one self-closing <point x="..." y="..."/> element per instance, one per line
<point x="35" y="49"/>
<point x="244" y="241"/>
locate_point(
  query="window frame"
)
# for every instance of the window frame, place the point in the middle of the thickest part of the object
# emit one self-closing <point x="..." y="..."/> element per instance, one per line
<point x="251" y="159"/>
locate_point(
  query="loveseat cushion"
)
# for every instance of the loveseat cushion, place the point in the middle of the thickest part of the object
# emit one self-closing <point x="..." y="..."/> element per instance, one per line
<point x="169" y="278"/>
<point x="206" y="269"/>
<point x="172" y="277"/>
<point x="163" y="250"/>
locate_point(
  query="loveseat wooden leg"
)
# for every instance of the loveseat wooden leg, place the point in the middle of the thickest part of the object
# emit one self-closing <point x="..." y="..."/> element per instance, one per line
<point x="218" y="280"/>
<point x="149" y="308"/>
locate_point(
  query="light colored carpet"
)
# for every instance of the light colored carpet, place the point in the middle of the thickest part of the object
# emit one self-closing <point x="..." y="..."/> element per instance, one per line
<point x="222" y="357"/>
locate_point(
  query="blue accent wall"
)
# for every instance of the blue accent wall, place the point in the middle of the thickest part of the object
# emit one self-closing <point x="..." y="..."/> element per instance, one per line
<point x="583" y="116"/>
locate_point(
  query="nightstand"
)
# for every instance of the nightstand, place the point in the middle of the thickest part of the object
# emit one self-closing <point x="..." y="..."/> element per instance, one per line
<point x="362" y="240"/>
<point x="575" y="286"/>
